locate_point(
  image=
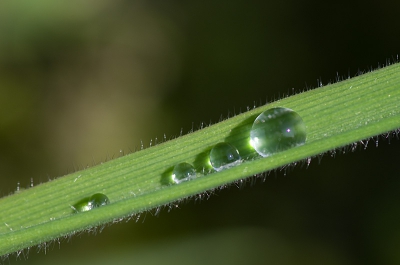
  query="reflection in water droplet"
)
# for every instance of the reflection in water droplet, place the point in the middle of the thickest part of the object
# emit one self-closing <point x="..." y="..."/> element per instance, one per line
<point x="89" y="203"/>
<point x="183" y="172"/>
<point x="223" y="156"/>
<point x="276" y="130"/>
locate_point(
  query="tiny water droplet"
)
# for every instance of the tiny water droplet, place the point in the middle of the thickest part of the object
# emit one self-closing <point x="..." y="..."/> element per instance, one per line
<point x="89" y="203"/>
<point x="276" y="130"/>
<point x="224" y="155"/>
<point x="183" y="172"/>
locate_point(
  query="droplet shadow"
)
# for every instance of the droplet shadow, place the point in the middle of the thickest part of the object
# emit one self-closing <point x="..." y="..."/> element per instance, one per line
<point x="240" y="138"/>
<point x="202" y="162"/>
<point x="166" y="176"/>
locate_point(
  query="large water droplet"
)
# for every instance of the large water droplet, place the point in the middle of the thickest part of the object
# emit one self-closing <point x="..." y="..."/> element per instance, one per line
<point x="89" y="203"/>
<point x="276" y="130"/>
<point x="223" y="156"/>
<point x="183" y="172"/>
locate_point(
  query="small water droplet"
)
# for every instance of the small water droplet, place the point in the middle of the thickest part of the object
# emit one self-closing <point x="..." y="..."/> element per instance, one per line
<point x="276" y="130"/>
<point x="98" y="199"/>
<point x="89" y="203"/>
<point x="224" y="155"/>
<point x="183" y="172"/>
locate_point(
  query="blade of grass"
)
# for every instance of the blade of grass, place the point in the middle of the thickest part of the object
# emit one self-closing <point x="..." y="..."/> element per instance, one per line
<point x="335" y="115"/>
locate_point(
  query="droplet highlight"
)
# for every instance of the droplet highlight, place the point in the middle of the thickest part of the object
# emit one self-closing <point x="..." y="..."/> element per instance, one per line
<point x="183" y="172"/>
<point x="224" y="155"/>
<point x="276" y="130"/>
<point x="89" y="203"/>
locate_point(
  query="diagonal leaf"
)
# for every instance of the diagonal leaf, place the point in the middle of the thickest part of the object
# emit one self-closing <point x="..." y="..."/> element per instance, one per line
<point x="335" y="115"/>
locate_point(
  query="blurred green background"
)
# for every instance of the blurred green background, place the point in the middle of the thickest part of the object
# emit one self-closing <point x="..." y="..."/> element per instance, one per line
<point x="81" y="81"/>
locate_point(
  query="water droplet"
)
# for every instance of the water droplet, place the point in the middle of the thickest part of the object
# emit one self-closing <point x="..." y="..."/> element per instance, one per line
<point x="224" y="155"/>
<point x="89" y="203"/>
<point x="276" y="130"/>
<point x="98" y="200"/>
<point x="183" y="172"/>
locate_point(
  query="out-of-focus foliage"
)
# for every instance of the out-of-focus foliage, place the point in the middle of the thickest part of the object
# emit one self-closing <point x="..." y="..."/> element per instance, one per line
<point x="80" y="81"/>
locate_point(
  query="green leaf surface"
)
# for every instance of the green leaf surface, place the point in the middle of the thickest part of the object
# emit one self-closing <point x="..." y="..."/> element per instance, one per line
<point x="335" y="115"/>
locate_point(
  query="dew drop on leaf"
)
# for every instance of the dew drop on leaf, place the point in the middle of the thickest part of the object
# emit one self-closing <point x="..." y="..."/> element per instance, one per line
<point x="276" y="130"/>
<point x="89" y="203"/>
<point x="98" y="200"/>
<point x="183" y="172"/>
<point x="224" y="155"/>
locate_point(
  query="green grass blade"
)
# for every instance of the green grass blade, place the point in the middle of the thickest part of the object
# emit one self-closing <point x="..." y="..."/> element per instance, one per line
<point x="335" y="115"/>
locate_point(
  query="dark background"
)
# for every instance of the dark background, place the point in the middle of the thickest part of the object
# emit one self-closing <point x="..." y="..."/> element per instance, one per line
<point x="80" y="81"/>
